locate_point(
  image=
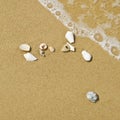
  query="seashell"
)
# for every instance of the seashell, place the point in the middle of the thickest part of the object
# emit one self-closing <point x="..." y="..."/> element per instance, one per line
<point x="29" y="57"/>
<point x="24" y="47"/>
<point x="70" y="37"/>
<point x="43" y="46"/>
<point x="42" y="53"/>
<point x="87" y="56"/>
<point x="52" y="49"/>
<point x="65" y="48"/>
<point x="72" y="48"/>
<point x="92" y="96"/>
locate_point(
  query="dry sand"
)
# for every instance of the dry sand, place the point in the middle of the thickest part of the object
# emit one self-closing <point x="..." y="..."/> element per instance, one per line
<point x="52" y="88"/>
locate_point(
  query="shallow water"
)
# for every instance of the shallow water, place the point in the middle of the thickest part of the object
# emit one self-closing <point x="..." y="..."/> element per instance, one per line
<point x="98" y="20"/>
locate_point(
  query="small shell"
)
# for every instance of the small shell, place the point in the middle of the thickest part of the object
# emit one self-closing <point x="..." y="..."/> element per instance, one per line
<point x="87" y="56"/>
<point x="43" y="46"/>
<point x="72" y="48"/>
<point x="70" y="37"/>
<point x="65" y="48"/>
<point x="92" y="96"/>
<point x="29" y="57"/>
<point x="52" y="49"/>
<point x="42" y="53"/>
<point x="24" y="47"/>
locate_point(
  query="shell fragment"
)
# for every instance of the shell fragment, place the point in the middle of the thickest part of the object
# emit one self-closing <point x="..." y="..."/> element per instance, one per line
<point x="52" y="49"/>
<point x="42" y="53"/>
<point x="43" y="46"/>
<point x="65" y="48"/>
<point x="24" y="47"/>
<point x="92" y="96"/>
<point x="29" y="57"/>
<point x="87" y="56"/>
<point x="72" y="48"/>
<point x="70" y="37"/>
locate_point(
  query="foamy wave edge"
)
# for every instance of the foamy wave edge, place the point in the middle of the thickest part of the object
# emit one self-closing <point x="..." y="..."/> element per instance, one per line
<point x="109" y="44"/>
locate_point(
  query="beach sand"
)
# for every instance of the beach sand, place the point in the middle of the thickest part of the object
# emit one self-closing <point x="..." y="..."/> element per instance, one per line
<point x="52" y="88"/>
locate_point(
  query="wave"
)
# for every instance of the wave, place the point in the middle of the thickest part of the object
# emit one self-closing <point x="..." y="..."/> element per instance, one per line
<point x="97" y="34"/>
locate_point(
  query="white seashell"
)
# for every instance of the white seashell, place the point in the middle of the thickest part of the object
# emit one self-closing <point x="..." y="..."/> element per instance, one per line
<point x="52" y="49"/>
<point x="29" y="57"/>
<point x="43" y="46"/>
<point x="70" y="37"/>
<point x="72" y="48"/>
<point x="42" y="53"/>
<point x="92" y="96"/>
<point x="65" y="48"/>
<point x="87" y="56"/>
<point x="24" y="47"/>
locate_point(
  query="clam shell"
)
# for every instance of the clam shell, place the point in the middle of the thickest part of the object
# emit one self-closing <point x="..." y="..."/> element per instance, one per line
<point x="86" y="56"/>
<point x="29" y="57"/>
<point x="24" y="47"/>
<point x="70" y="37"/>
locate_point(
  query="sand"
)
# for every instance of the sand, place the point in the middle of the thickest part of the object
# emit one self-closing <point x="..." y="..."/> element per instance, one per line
<point x="52" y="88"/>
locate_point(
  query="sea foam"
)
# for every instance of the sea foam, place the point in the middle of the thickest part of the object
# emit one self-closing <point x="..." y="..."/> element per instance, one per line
<point x="108" y="43"/>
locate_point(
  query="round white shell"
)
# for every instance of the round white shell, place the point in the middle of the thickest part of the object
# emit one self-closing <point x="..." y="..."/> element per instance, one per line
<point x="92" y="96"/>
<point x="24" y="47"/>
<point x="43" y="46"/>
<point x="87" y="56"/>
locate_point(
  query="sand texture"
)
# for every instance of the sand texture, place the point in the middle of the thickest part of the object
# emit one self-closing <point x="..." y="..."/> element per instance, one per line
<point x="54" y="87"/>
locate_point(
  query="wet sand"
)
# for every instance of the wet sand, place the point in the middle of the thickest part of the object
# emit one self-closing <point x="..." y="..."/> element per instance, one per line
<point x="95" y="15"/>
<point x="52" y="88"/>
